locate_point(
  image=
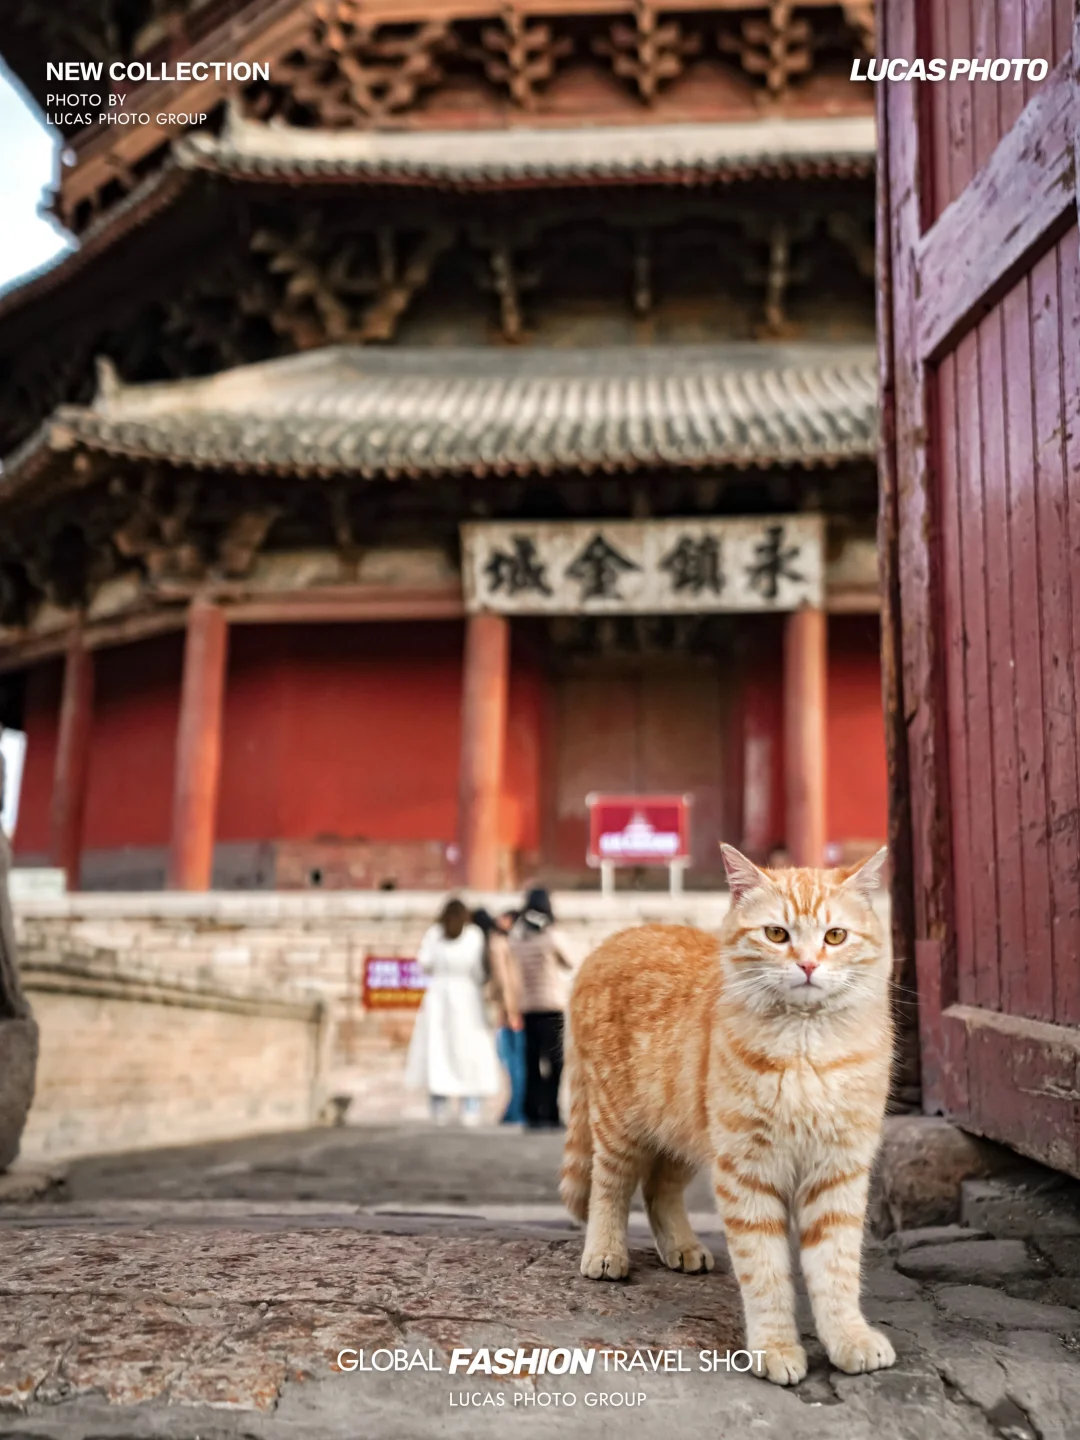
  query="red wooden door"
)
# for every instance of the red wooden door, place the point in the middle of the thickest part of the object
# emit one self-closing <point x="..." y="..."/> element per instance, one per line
<point x="643" y="727"/>
<point x="980" y="332"/>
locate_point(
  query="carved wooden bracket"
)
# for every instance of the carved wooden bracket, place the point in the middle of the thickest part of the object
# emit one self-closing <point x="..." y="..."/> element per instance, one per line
<point x="521" y="54"/>
<point x="650" y="52"/>
<point x="348" y="67"/>
<point x="776" y="48"/>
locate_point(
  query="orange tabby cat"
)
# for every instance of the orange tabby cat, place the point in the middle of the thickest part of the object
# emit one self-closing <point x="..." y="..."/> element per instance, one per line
<point x="764" y="1054"/>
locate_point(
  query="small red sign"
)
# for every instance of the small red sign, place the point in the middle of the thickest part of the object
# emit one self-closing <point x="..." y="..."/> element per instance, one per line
<point x="638" y="829"/>
<point x="392" y="984"/>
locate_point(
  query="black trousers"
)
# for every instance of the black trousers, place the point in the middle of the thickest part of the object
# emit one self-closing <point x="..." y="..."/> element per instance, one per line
<point x="543" y="1066"/>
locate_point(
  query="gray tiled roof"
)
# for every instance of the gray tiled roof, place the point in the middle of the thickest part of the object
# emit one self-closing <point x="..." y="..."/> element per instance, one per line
<point x="463" y="158"/>
<point x="398" y="412"/>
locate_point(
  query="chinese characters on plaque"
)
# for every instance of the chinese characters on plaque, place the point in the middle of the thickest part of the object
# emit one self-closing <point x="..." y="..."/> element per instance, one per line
<point x="641" y="567"/>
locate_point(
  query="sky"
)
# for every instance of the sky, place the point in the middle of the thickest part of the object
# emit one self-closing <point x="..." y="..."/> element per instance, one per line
<point x="28" y="157"/>
<point x="13" y="749"/>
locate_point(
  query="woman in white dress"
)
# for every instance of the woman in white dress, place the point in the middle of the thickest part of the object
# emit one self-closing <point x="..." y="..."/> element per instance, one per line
<point x="452" y="1051"/>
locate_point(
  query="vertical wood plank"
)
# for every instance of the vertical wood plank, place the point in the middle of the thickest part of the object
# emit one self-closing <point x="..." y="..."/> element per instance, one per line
<point x="1004" y="774"/>
<point x="198" y="748"/>
<point x="1010" y="41"/>
<point x="485" y="689"/>
<point x="1067" y="998"/>
<point x="954" y="627"/>
<point x="985" y="120"/>
<point x="906" y="1001"/>
<point x="1027" y="970"/>
<point x="1065" y="20"/>
<point x="976" y="712"/>
<point x="1056" y="606"/>
<point x="72" y="764"/>
<point x="961" y="138"/>
<point x="941" y="183"/>
<point x="805" y="660"/>
<point x="1038" y="36"/>
<point x="943" y="1075"/>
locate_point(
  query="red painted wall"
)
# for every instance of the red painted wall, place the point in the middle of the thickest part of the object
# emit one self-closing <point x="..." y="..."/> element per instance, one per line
<point x="354" y="731"/>
<point x="857" y="789"/>
<point x="41" y="718"/>
<point x="133" y="743"/>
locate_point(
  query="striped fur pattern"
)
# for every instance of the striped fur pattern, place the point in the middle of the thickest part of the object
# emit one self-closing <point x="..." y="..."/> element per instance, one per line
<point x="764" y="1055"/>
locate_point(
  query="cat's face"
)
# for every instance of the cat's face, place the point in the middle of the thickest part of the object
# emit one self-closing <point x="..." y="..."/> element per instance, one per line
<point x="803" y="939"/>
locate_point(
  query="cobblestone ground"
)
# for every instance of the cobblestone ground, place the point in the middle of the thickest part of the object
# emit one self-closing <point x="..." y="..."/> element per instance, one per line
<point x="206" y="1293"/>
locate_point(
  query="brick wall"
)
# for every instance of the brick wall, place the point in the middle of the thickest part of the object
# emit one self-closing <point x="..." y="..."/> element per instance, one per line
<point x="131" y="1059"/>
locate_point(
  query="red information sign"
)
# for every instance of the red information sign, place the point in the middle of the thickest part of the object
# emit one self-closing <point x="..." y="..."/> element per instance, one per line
<point x="392" y="984"/>
<point x="638" y="829"/>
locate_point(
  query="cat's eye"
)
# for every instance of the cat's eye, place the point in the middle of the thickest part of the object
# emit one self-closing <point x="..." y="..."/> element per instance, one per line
<point x="777" y="934"/>
<point x="835" y="936"/>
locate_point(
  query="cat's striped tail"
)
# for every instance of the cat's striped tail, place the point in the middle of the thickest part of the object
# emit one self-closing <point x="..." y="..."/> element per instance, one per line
<point x="575" y="1178"/>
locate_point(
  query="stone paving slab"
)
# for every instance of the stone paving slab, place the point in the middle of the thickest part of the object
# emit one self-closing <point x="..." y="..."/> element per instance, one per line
<point x="192" y="1298"/>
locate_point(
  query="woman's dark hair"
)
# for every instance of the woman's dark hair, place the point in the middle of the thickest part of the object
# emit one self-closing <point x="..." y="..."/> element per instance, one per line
<point x="454" y="918"/>
<point x="484" y="920"/>
<point x="537" y="913"/>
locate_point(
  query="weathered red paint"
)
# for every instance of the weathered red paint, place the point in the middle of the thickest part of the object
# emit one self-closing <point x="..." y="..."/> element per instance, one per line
<point x="986" y="353"/>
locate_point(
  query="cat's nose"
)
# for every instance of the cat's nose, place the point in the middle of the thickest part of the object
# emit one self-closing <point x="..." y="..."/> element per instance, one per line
<point x="807" y="967"/>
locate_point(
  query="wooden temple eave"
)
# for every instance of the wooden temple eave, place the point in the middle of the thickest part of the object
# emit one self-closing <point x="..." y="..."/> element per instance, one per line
<point x="388" y="82"/>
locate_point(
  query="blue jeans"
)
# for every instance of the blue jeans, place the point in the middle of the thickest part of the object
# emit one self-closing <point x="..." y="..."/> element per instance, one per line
<point x="511" y="1048"/>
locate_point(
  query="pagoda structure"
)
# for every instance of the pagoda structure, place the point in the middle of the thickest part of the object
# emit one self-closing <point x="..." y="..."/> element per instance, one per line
<point x="477" y="413"/>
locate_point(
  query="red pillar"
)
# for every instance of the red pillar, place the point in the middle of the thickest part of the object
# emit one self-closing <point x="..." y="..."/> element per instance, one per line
<point x="198" y="749"/>
<point x="72" y="763"/>
<point x="483" y="745"/>
<point x="804" y="735"/>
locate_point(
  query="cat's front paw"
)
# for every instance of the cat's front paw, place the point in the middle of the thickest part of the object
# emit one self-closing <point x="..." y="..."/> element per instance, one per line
<point x="690" y="1259"/>
<point x="782" y="1364"/>
<point x="605" y="1264"/>
<point x="861" y="1350"/>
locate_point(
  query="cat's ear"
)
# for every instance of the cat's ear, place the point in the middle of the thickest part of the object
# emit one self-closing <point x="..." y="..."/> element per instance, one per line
<point x="866" y="878"/>
<point x="743" y="875"/>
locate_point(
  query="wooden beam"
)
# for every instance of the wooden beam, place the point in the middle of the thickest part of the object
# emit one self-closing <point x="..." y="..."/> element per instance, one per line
<point x="1019" y="203"/>
<point x="267" y="33"/>
<point x="1012" y="1058"/>
<point x="907" y="1073"/>
<point x="350" y="603"/>
<point x="327" y="604"/>
<point x="198" y="749"/>
<point x="917" y="591"/>
<point x="72" y="764"/>
<point x="485" y="684"/>
<point x="805" y="633"/>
